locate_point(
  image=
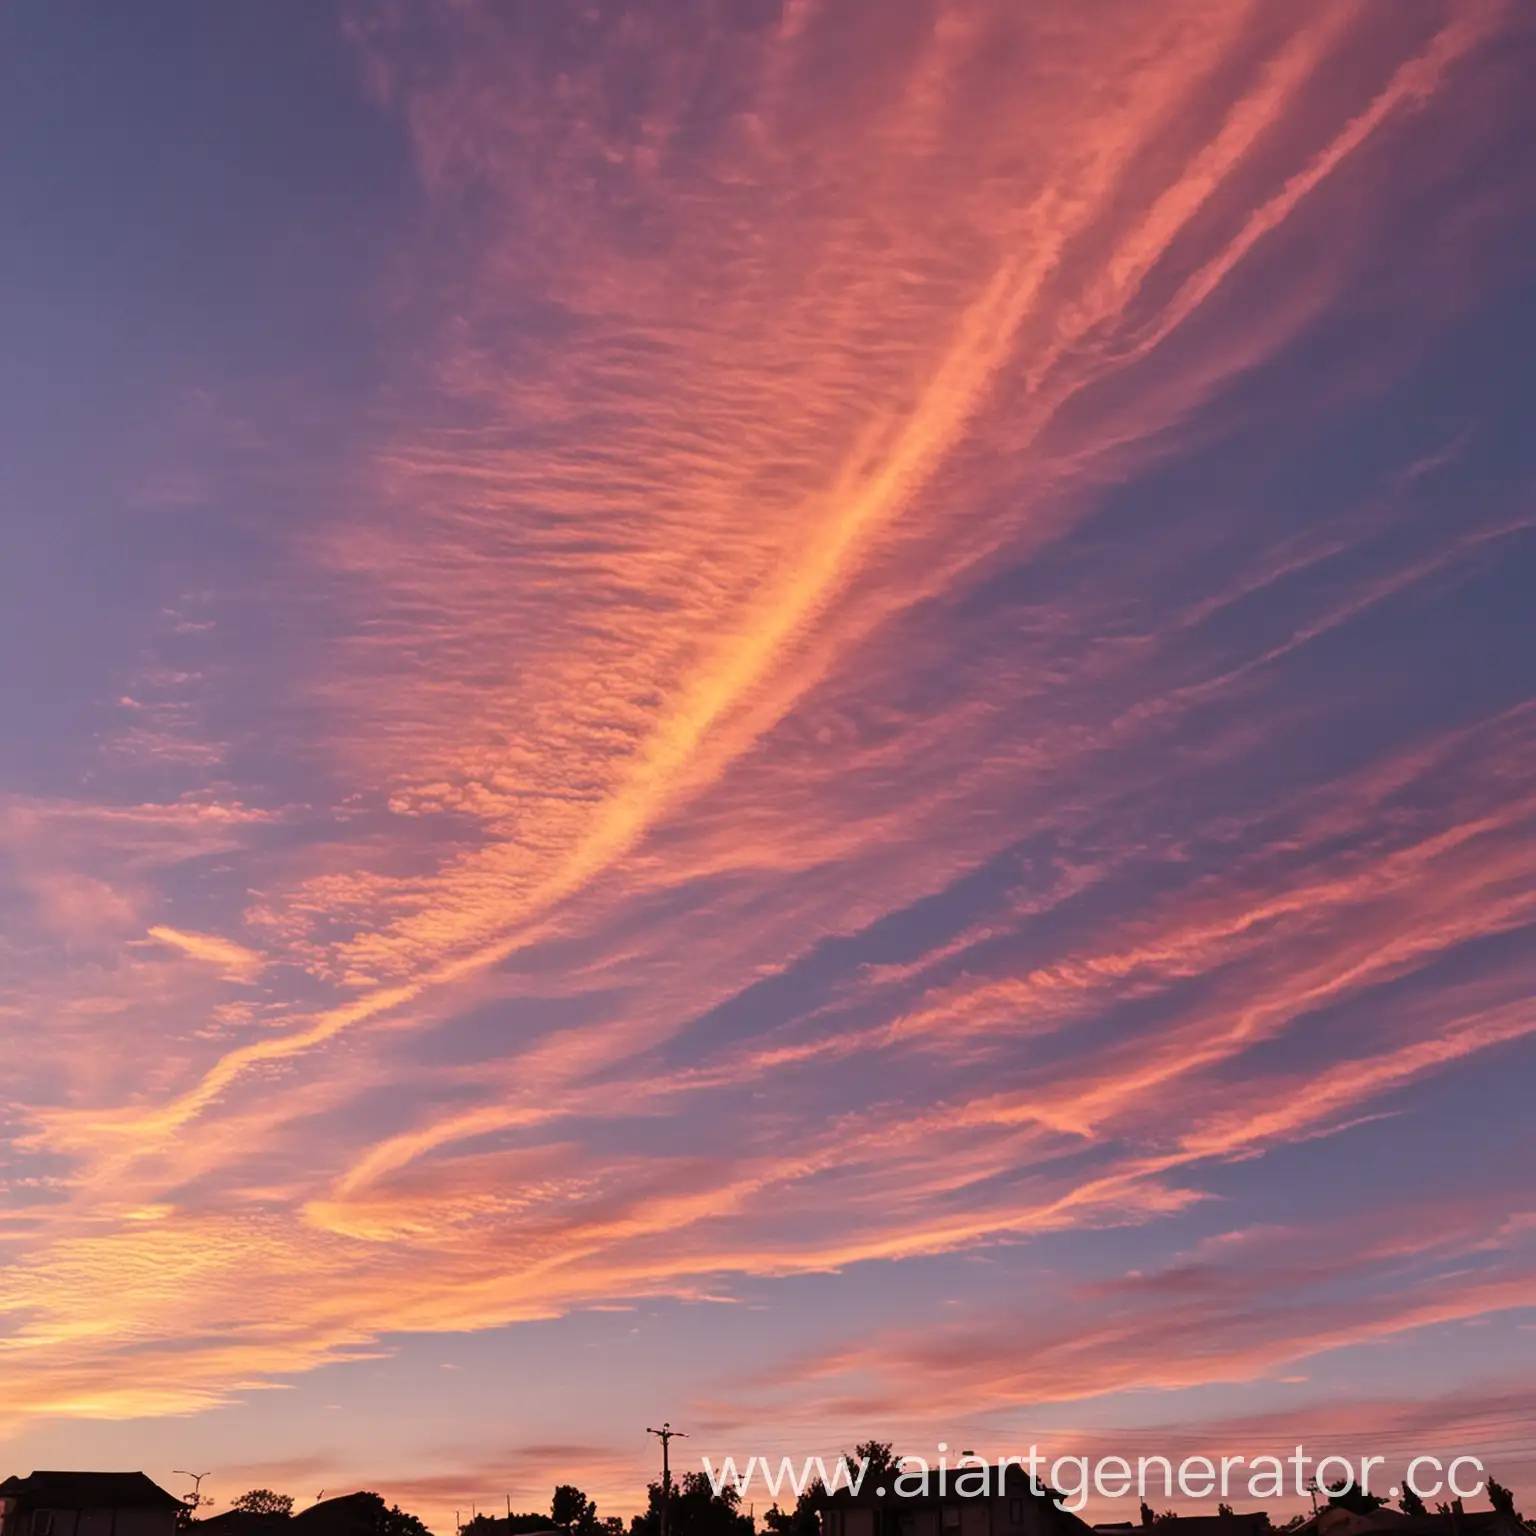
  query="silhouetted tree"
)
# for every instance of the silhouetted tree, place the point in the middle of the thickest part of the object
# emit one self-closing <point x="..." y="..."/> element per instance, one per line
<point x="802" y="1520"/>
<point x="390" y="1519"/>
<point x="1348" y="1496"/>
<point x="883" y="1461"/>
<point x="696" y="1510"/>
<point x="262" y="1501"/>
<point x="507" y="1525"/>
<point x="186" y="1516"/>
<point x="1411" y="1503"/>
<point x="1503" y="1500"/>
<point x="573" y="1510"/>
<point x="882" y="1465"/>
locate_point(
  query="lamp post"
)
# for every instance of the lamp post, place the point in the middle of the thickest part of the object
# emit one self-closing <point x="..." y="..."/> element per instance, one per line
<point x="196" y="1498"/>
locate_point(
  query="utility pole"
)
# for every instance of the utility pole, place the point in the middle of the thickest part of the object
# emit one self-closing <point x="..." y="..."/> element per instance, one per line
<point x="195" y="1502"/>
<point x="665" y="1434"/>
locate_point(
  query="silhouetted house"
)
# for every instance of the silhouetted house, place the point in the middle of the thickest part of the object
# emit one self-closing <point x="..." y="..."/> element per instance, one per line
<point x="350" y="1514"/>
<point x="86" y="1504"/>
<point x="353" y="1514"/>
<point x="242" y="1522"/>
<point x="1010" y="1510"/>
<point x="1245" y="1523"/>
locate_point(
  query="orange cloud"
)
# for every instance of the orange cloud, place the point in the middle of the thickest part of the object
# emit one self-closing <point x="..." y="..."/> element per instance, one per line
<point x="774" y="809"/>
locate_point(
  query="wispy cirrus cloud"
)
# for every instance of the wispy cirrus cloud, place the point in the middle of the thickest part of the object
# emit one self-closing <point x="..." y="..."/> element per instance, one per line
<point x="850" y="710"/>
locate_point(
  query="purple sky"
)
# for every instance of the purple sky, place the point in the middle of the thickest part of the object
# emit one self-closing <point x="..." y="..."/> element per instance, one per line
<point x="818" y="718"/>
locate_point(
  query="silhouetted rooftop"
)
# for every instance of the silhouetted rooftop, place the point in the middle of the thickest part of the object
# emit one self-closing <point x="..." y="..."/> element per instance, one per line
<point x="87" y="1490"/>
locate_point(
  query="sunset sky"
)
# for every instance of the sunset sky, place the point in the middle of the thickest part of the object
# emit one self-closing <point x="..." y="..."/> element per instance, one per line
<point x="812" y="716"/>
